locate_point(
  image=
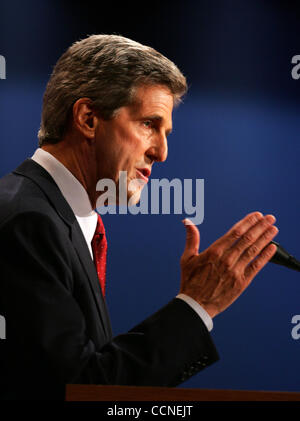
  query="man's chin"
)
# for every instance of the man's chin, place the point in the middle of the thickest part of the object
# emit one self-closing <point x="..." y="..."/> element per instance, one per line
<point x="131" y="199"/>
<point x="134" y="198"/>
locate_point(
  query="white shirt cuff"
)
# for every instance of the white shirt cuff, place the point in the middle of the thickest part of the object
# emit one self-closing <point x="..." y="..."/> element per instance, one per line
<point x="207" y="320"/>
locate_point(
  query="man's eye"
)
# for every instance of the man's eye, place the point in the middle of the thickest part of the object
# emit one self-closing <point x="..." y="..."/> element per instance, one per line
<point x="148" y="123"/>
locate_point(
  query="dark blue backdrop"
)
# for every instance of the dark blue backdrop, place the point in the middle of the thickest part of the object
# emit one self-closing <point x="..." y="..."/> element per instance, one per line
<point x="238" y="129"/>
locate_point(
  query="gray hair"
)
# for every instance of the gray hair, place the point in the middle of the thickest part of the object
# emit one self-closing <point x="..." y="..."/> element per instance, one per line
<point x="106" y="69"/>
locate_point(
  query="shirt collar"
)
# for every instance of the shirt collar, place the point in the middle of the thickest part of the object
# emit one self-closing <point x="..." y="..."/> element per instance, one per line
<point x="72" y="190"/>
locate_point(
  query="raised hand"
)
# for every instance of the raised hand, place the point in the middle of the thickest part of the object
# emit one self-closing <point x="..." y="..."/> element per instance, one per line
<point x="216" y="277"/>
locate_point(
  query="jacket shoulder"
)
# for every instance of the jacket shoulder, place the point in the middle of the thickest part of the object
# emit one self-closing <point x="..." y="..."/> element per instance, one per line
<point x="20" y="195"/>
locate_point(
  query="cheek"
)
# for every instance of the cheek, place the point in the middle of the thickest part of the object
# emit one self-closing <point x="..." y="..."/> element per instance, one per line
<point x="125" y="148"/>
<point x="131" y="151"/>
<point x="131" y="137"/>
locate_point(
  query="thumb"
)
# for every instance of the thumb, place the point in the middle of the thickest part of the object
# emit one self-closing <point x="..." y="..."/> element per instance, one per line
<point x="192" y="239"/>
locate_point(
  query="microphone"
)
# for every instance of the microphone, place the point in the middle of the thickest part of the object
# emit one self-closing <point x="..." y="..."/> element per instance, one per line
<point x="283" y="258"/>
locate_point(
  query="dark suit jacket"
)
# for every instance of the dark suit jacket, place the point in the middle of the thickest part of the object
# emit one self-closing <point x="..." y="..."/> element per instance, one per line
<point x="57" y="326"/>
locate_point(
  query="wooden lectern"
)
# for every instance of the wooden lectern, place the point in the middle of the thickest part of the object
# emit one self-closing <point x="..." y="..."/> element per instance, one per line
<point x="132" y="393"/>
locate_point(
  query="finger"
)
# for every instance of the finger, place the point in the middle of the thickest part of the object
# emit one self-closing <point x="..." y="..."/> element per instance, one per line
<point x="237" y="231"/>
<point x="253" y="251"/>
<point x="232" y="255"/>
<point x="257" y="264"/>
<point x="192" y="240"/>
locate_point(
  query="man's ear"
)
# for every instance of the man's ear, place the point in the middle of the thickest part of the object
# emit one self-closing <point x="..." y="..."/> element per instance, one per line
<point x="85" y="119"/>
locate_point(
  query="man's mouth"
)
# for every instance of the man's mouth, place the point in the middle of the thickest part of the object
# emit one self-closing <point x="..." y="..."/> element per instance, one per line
<point x="144" y="174"/>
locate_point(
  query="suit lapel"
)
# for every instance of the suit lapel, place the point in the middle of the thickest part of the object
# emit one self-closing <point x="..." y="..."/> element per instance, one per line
<point x="42" y="178"/>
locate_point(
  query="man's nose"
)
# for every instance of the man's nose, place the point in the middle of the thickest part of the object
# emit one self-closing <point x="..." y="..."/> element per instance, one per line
<point x="159" y="149"/>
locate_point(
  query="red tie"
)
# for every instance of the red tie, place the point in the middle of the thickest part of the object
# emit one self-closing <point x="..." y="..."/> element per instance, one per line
<point x="99" y="247"/>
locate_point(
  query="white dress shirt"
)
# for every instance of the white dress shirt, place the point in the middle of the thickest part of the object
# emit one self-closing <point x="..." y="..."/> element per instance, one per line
<point x="73" y="191"/>
<point x="78" y="199"/>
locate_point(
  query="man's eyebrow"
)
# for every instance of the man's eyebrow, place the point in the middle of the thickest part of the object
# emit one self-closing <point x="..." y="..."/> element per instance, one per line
<point x="156" y="117"/>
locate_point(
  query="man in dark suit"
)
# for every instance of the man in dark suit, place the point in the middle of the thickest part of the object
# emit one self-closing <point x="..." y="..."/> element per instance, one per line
<point x="107" y="108"/>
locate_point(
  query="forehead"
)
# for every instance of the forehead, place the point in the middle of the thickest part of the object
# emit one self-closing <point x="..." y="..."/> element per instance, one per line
<point x="152" y="99"/>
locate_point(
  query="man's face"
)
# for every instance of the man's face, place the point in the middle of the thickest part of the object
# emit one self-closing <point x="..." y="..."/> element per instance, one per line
<point x="135" y="138"/>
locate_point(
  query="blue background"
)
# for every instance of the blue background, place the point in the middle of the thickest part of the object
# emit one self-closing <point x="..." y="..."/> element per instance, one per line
<point x="238" y="129"/>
